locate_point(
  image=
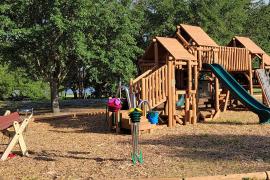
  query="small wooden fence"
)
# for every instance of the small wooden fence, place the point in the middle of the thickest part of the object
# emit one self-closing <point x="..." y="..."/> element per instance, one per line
<point x="231" y="58"/>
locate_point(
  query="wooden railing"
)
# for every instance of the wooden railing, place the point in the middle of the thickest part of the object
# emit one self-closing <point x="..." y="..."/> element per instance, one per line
<point x="152" y="87"/>
<point x="136" y="84"/>
<point x="231" y="58"/>
<point x="234" y="59"/>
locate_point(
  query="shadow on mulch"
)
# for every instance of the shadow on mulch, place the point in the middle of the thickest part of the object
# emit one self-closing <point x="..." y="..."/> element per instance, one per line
<point x="81" y="124"/>
<point x="215" y="147"/>
<point x="230" y="123"/>
<point x="52" y="155"/>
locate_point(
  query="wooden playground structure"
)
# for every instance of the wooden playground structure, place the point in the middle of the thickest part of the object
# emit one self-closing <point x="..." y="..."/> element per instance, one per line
<point x="171" y="71"/>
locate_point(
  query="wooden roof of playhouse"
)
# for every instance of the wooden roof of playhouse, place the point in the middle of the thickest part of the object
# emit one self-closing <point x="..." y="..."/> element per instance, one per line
<point x="167" y="46"/>
<point x="198" y="35"/>
<point x="246" y="42"/>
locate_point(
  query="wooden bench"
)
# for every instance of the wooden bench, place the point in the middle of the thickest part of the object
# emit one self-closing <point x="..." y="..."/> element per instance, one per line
<point x="15" y="121"/>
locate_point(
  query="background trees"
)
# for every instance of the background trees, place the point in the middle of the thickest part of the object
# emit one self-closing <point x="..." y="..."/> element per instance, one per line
<point x="53" y="40"/>
<point x="258" y="23"/>
<point x="50" y="38"/>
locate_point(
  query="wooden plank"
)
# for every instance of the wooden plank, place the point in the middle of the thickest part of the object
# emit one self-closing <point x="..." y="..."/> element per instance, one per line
<point x="147" y="88"/>
<point x="256" y="175"/>
<point x="182" y="62"/>
<point x="180" y="92"/>
<point x="242" y="63"/>
<point x="170" y="98"/>
<point x="153" y="83"/>
<point x="196" y="93"/>
<point x="199" y="59"/>
<point x="189" y="77"/>
<point x="163" y="77"/>
<point x="173" y="94"/>
<point x="141" y="76"/>
<point x="166" y="80"/>
<point x="222" y="57"/>
<point x="186" y="119"/>
<point x="194" y="109"/>
<point x="144" y="95"/>
<point x="189" y="87"/>
<point x="228" y="65"/>
<point x="250" y="76"/>
<point x="226" y="101"/>
<point x="216" y="94"/>
<point x="158" y="86"/>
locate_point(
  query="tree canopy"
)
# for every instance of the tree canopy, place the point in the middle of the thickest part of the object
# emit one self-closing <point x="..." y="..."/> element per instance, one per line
<point x="54" y="40"/>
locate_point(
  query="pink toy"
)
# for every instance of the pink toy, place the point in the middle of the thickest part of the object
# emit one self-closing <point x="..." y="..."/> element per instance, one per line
<point x="114" y="104"/>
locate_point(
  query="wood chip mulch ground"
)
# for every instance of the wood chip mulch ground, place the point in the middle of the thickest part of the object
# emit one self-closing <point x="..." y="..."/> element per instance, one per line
<point x="83" y="148"/>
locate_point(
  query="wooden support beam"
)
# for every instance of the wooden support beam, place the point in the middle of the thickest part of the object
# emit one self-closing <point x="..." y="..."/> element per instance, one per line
<point x="194" y="109"/>
<point x="263" y="60"/>
<point x="217" y="94"/>
<point x="247" y="76"/>
<point x="173" y="94"/>
<point x="250" y="76"/>
<point x="199" y="57"/>
<point x="170" y="95"/>
<point x="186" y="108"/>
<point x="196" y="99"/>
<point x="143" y="91"/>
<point x="189" y="87"/>
<point x="226" y="101"/>
<point x="182" y="39"/>
<point x="234" y="42"/>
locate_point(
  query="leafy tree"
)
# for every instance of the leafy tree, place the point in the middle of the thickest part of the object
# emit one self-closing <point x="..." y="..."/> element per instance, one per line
<point x="17" y="84"/>
<point x="48" y="37"/>
<point x="257" y="26"/>
<point x="111" y="37"/>
<point x="222" y="19"/>
<point x="161" y="17"/>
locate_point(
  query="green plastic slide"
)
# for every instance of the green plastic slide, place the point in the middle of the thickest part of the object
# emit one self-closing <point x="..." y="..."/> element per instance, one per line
<point x="240" y="93"/>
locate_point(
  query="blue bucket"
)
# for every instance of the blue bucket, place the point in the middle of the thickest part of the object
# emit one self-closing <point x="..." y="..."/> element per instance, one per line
<point x="152" y="117"/>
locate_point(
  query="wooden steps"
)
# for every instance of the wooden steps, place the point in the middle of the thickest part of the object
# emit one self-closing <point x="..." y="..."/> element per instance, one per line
<point x="207" y="115"/>
<point x="144" y="126"/>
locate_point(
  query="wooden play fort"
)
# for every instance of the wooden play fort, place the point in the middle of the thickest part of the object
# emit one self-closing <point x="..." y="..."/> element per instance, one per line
<point x="175" y="82"/>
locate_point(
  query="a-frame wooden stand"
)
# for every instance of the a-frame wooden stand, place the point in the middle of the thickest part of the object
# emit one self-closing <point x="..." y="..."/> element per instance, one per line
<point x="19" y="124"/>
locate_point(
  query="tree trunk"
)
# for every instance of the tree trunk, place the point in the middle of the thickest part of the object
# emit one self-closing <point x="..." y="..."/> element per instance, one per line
<point x="75" y="95"/>
<point x="54" y="96"/>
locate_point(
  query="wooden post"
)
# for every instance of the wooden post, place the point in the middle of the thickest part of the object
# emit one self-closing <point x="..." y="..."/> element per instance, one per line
<point x="173" y="93"/>
<point x="130" y="85"/>
<point x="250" y="76"/>
<point x="178" y="29"/>
<point x="144" y="96"/>
<point x="262" y="65"/>
<point x="216" y="94"/>
<point x="194" y="109"/>
<point x="186" y="108"/>
<point x="215" y="60"/>
<point x="226" y="101"/>
<point x="195" y="97"/>
<point x="156" y="51"/>
<point x="117" y="121"/>
<point x="189" y="87"/>
<point x="234" y="42"/>
<point x="170" y="95"/>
